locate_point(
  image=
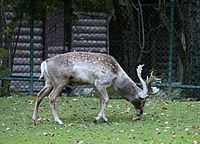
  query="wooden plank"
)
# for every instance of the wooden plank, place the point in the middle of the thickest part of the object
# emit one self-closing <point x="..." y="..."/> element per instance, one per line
<point x="23" y="86"/>
<point x="37" y="24"/>
<point x="26" y="46"/>
<point x="89" y="49"/>
<point x="89" y="29"/>
<point x="26" y="39"/>
<point x="88" y="43"/>
<point x="91" y="15"/>
<point x="25" y="69"/>
<point x="25" y="74"/>
<point x="84" y="36"/>
<point x="25" y="61"/>
<point x="54" y="54"/>
<point x="26" y="31"/>
<point x="90" y="22"/>
<point x="26" y="54"/>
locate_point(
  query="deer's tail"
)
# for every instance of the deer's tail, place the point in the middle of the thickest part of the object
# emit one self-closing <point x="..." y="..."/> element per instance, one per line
<point x="43" y="69"/>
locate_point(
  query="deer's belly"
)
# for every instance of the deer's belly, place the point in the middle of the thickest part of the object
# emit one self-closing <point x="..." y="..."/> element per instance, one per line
<point x="84" y="75"/>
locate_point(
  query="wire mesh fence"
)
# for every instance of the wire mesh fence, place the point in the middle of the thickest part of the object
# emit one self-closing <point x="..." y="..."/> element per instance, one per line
<point x="60" y="32"/>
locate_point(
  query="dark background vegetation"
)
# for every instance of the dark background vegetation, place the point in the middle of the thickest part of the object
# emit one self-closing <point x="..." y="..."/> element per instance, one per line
<point x="139" y="33"/>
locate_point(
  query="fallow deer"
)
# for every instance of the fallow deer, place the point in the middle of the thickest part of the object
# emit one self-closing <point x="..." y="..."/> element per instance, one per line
<point x="83" y="68"/>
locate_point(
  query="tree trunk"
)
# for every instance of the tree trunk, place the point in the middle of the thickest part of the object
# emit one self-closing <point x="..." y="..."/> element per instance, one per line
<point x="5" y="62"/>
<point x="5" y="84"/>
<point x="126" y="25"/>
<point x="192" y="67"/>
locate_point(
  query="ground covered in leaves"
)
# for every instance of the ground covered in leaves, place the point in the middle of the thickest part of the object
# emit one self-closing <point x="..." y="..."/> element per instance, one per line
<point x="164" y="122"/>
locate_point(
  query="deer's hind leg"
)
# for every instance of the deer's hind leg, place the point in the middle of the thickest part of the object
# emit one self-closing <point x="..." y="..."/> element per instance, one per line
<point x="52" y="101"/>
<point x="43" y="92"/>
<point x="103" y="102"/>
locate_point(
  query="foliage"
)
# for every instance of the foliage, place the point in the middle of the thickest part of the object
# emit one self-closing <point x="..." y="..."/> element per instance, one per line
<point x="105" y="6"/>
<point x="164" y="122"/>
<point x="129" y="51"/>
<point x="192" y="65"/>
<point x="186" y="43"/>
<point x="27" y="7"/>
<point x="12" y="14"/>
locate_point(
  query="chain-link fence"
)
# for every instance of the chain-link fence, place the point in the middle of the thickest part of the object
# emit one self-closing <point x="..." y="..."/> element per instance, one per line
<point x="63" y="30"/>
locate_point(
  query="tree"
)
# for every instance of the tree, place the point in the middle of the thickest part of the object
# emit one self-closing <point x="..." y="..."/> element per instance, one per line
<point x="192" y="65"/>
<point x="22" y="11"/>
<point x="7" y="48"/>
<point x="179" y="31"/>
<point x="125" y="22"/>
<point x="186" y="41"/>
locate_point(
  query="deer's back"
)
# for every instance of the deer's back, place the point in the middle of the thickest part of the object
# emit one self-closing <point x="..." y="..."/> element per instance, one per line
<point x="83" y="67"/>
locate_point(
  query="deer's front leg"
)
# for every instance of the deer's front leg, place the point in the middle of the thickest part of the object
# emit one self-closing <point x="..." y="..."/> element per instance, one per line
<point x="103" y="102"/>
<point x="138" y="115"/>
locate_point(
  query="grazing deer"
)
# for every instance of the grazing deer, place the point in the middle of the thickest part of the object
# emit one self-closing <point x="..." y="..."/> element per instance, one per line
<point x="100" y="70"/>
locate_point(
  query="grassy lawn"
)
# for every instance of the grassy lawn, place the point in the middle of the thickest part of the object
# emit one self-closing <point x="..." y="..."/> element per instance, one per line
<point x="164" y="122"/>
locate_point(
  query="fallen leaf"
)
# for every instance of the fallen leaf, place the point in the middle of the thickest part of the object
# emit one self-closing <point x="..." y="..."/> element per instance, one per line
<point x="8" y="129"/>
<point x="127" y="110"/>
<point x="71" y="124"/>
<point x="164" y="108"/>
<point x="30" y="102"/>
<point x="162" y="114"/>
<point x="45" y="133"/>
<point x="79" y="142"/>
<point x="166" y="122"/>
<point x="186" y="129"/>
<point x="195" y="142"/>
<point x="122" y="131"/>
<point x="109" y="106"/>
<point x="195" y="127"/>
<point x="165" y="130"/>
<point x="173" y="134"/>
<point x="158" y="131"/>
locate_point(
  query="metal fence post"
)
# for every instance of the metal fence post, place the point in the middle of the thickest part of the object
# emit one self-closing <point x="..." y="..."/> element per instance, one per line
<point x="31" y="48"/>
<point x="71" y="4"/>
<point x="171" y="40"/>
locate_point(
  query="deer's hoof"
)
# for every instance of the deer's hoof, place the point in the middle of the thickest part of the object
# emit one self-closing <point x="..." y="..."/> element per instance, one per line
<point x="107" y="122"/>
<point x="60" y="123"/>
<point x="34" y="121"/>
<point x="95" y="121"/>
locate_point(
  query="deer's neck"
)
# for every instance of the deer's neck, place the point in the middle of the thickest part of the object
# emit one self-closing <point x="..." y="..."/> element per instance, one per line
<point x="125" y="85"/>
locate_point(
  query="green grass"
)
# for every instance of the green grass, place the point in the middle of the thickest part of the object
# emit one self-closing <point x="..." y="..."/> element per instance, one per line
<point x="164" y="122"/>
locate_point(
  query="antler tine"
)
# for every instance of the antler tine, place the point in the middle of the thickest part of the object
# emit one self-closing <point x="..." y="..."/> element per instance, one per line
<point x="139" y="69"/>
<point x="147" y="78"/>
<point x="151" y="73"/>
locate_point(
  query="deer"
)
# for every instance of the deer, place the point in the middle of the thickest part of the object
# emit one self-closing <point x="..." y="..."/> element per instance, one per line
<point x="96" y="69"/>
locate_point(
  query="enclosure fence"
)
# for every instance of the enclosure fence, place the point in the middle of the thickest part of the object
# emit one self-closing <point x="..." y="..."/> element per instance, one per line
<point x="66" y="29"/>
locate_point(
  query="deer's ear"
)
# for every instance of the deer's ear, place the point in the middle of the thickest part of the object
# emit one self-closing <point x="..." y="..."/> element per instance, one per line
<point x="158" y="79"/>
<point x="154" y="91"/>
